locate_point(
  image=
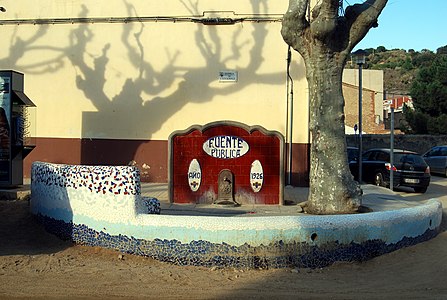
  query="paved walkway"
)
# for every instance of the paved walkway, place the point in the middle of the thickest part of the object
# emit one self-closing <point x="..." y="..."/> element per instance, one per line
<point x="376" y="198"/>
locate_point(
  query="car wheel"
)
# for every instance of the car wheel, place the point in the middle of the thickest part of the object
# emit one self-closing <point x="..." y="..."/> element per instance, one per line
<point x="421" y="189"/>
<point x="378" y="179"/>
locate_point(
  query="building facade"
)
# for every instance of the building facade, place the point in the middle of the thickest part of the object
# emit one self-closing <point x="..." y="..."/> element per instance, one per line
<point x="113" y="80"/>
<point x="372" y="100"/>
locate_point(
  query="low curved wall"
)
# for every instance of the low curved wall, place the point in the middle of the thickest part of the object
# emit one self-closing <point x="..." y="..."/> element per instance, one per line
<point x="101" y="206"/>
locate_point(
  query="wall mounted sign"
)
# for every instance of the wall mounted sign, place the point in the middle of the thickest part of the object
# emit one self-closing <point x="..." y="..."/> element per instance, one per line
<point x="225" y="147"/>
<point x="251" y="156"/>
<point x="228" y="76"/>
<point x="256" y="176"/>
<point x="194" y="175"/>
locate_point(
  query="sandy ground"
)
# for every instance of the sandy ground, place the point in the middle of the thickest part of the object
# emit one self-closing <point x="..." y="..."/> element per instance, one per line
<point x="35" y="264"/>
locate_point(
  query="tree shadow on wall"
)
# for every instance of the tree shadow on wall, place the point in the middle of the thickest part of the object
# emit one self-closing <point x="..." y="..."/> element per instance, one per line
<point x="149" y="115"/>
<point x="147" y="100"/>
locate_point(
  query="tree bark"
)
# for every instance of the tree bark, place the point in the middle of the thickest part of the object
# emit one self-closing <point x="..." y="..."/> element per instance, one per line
<point x="332" y="187"/>
<point x="325" y="41"/>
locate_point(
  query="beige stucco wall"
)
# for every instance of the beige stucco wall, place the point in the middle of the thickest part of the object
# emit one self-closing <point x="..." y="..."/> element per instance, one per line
<point x="146" y="80"/>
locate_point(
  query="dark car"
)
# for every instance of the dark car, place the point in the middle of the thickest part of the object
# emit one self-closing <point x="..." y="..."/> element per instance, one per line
<point x="409" y="169"/>
<point x="353" y="153"/>
<point x="436" y="158"/>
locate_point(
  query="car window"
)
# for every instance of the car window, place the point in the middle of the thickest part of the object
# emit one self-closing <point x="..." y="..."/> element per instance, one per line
<point x="434" y="152"/>
<point x="443" y="151"/>
<point x="353" y="154"/>
<point x="368" y="155"/>
<point x="382" y="156"/>
<point x="405" y="159"/>
<point x="408" y="158"/>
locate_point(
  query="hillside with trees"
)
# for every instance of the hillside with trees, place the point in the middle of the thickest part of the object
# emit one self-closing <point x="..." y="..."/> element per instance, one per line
<point x="423" y="76"/>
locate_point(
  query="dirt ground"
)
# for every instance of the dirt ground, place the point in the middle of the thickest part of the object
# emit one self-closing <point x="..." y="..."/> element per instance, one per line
<point x="35" y="264"/>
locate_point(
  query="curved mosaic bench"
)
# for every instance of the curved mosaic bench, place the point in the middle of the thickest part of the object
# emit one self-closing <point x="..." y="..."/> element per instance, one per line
<point x="101" y="206"/>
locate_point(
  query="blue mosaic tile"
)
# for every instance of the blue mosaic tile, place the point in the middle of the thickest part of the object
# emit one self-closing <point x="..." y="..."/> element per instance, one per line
<point x="112" y="194"/>
<point x="204" y="253"/>
<point x="151" y="205"/>
<point x="98" y="179"/>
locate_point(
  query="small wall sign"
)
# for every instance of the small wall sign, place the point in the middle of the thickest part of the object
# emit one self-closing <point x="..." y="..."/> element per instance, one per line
<point x="225" y="147"/>
<point x="228" y="76"/>
<point x="256" y="176"/>
<point x="194" y="175"/>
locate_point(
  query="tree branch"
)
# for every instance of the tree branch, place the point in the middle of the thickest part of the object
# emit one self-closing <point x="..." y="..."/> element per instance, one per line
<point x="330" y="6"/>
<point x="339" y="33"/>
<point x="298" y="7"/>
<point x="294" y="22"/>
<point x="361" y="18"/>
<point x="325" y="19"/>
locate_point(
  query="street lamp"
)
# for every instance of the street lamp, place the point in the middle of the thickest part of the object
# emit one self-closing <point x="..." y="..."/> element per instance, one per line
<point x="359" y="57"/>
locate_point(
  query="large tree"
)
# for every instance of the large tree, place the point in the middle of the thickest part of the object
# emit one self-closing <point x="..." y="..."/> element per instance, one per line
<point x="325" y="39"/>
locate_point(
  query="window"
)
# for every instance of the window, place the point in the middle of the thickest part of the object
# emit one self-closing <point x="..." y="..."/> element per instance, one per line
<point x="368" y="155"/>
<point x="434" y="152"/>
<point x="382" y="156"/>
<point x="409" y="158"/>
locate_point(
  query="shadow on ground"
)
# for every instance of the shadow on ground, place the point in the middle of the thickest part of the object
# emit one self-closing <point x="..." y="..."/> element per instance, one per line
<point x="21" y="234"/>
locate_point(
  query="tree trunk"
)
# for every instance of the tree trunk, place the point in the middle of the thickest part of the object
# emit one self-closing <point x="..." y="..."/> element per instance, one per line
<point x="325" y="40"/>
<point x="332" y="187"/>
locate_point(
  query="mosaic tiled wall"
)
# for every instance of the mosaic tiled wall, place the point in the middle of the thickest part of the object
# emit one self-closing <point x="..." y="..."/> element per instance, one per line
<point x="82" y="204"/>
<point x="262" y="145"/>
<point x="101" y="193"/>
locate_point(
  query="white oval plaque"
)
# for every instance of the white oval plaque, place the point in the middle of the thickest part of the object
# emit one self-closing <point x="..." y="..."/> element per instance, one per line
<point x="194" y="175"/>
<point x="225" y="147"/>
<point x="256" y="176"/>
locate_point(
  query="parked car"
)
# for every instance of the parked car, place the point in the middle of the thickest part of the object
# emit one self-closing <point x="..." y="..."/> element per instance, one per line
<point x="353" y="153"/>
<point x="409" y="169"/>
<point x="436" y="158"/>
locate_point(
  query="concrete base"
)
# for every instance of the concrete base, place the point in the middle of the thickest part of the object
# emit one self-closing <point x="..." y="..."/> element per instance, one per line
<point x="16" y="193"/>
<point x="102" y="206"/>
<point x="258" y="242"/>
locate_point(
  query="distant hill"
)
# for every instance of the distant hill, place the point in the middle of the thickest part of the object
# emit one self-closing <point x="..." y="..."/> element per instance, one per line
<point x="400" y="66"/>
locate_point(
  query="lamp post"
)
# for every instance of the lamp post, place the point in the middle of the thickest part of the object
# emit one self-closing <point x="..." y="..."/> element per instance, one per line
<point x="392" y="106"/>
<point x="359" y="57"/>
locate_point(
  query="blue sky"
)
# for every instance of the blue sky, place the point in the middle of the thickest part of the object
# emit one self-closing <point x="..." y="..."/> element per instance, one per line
<point x="409" y="24"/>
